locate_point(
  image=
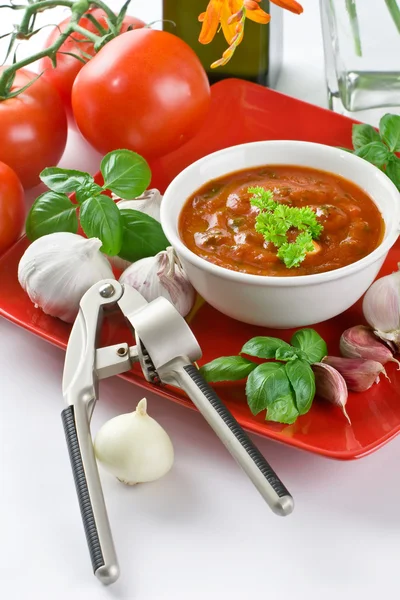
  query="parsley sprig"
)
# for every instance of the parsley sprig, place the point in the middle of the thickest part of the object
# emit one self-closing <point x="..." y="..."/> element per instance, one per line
<point x="275" y="220"/>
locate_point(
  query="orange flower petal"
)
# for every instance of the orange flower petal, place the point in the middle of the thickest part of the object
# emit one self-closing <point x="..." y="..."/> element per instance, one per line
<point x="229" y="29"/>
<point x="250" y="4"/>
<point x="291" y="5"/>
<point x="235" y="5"/>
<point x="201" y="17"/>
<point x="258" y="16"/>
<point x="211" y="21"/>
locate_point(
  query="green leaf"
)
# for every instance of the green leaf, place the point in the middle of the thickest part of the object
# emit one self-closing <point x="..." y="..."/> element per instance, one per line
<point x="65" y="180"/>
<point x="311" y="343"/>
<point x="262" y="198"/>
<point x="389" y="129"/>
<point x="283" y="410"/>
<point x="88" y="191"/>
<point x="363" y="135"/>
<point x="274" y="220"/>
<point x="125" y="173"/>
<point x="393" y="170"/>
<point x="263" y="347"/>
<point x="101" y="218"/>
<point x="227" y="368"/>
<point x="375" y="153"/>
<point x="51" y="212"/>
<point x="302" y="379"/>
<point x="142" y="235"/>
<point x="345" y="149"/>
<point x="285" y="354"/>
<point x="293" y="253"/>
<point x="290" y="353"/>
<point x="267" y="384"/>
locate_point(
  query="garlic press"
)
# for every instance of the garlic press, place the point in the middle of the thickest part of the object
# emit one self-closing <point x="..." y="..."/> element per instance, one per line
<point x="166" y="350"/>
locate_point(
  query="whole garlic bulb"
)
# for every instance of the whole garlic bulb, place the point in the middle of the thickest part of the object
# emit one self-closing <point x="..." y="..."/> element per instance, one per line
<point x="57" y="269"/>
<point x="149" y="203"/>
<point x="161" y="275"/>
<point x="134" y="447"/>
<point x="381" y="308"/>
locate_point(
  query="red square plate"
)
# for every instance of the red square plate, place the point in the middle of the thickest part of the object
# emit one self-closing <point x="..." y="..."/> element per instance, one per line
<point x="245" y="112"/>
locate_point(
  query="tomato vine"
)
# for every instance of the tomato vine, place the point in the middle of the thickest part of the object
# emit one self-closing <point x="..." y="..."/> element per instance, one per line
<point x="25" y="30"/>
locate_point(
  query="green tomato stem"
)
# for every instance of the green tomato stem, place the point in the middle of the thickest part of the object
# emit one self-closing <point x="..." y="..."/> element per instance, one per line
<point x="33" y="9"/>
<point x="78" y="9"/>
<point x="106" y="9"/>
<point x="88" y="34"/>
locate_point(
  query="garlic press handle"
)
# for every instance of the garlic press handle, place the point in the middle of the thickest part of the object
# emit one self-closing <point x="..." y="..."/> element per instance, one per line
<point x="90" y="496"/>
<point x="246" y="454"/>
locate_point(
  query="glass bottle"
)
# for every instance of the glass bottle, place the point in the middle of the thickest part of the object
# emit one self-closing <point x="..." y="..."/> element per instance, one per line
<point x="362" y="50"/>
<point x="259" y="56"/>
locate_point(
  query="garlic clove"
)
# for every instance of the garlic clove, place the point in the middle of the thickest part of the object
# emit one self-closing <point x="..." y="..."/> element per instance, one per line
<point x="381" y="308"/>
<point x="134" y="447"/>
<point x="361" y="342"/>
<point x="149" y="203"/>
<point x="56" y="270"/>
<point x="359" y="373"/>
<point x="161" y="275"/>
<point x="331" y="386"/>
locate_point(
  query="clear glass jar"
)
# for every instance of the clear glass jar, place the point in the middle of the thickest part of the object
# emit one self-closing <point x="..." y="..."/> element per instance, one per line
<point x="362" y="55"/>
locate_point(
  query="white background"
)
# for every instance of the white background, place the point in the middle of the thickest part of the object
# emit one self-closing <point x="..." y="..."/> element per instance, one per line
<point x="202" y="532"/>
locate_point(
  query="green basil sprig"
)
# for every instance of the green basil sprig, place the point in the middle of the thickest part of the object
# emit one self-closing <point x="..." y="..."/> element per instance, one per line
<point x="127" y="233"/>
<point x="380" y="147"/>
<point x="285" y="389"/>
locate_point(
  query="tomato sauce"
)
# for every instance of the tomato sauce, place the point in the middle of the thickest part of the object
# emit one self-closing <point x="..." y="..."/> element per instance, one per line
<point x="218" y="222"/>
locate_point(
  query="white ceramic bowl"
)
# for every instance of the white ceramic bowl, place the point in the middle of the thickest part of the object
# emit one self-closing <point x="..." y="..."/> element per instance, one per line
<point x="282" y="302"/>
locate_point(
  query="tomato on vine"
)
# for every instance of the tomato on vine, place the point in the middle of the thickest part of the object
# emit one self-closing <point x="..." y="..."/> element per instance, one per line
<point x="146" y="91"/>
<point x="12" y="207"/>
<point x="33" y="127"/>
<point x="76" y="49"/>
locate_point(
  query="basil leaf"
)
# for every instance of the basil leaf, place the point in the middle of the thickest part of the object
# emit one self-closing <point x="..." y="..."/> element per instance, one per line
<point x="100" y="217"/>
<point x="268" y="387"/>
<point x="393" y="170"/>
<point x="65" y="180"/>
<point x="267" y="383"/>
<point x="227" y="368"/>
<point x="363" y="135"/>
<point x="51" y="212"/>
<point x="375" y="153"/>
<point x="311" y="343"/>
<point x="88" y="191"/>
<point x="283" y="410"/>
<point x="286" y="353"/>
<point x="389" y="129"/>
<point x="125" y="173"/>
<point x="263" y="347"/>
<point x="142" y="235"/>
<point x="302" y="379"/>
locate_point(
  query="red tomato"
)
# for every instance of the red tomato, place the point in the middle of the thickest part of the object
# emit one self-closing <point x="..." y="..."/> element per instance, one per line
<point x="33" y="128"/>
<point x="146" y="90"/>
<point x="63" y="76"/>
<point x="12" y="207"/>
